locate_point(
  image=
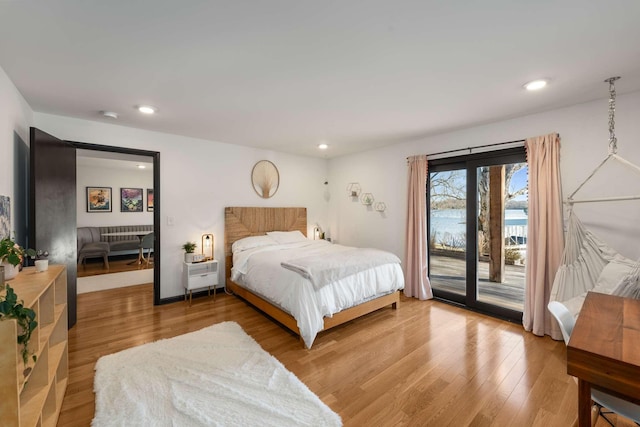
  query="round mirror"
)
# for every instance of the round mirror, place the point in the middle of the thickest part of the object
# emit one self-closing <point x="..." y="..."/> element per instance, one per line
<point x="265" y="178"/>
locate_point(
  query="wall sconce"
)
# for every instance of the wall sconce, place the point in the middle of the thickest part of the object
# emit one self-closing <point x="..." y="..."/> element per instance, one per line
<point x="380" y="207"/>
<point x="367" y="199"/>
<point x="353" y="189"/>
<point x="207" y="246"/>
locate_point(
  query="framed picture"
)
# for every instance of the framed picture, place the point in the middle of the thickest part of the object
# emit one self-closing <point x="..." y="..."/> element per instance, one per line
<point x="98" y="199"/>
<point x="5" y="218"/>
<point x="150" y="199"/>
<point x="131" y="199"/>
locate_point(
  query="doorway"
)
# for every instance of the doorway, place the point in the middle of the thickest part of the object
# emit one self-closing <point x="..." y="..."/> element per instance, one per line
<point x="101" y="177"/>
<point x="116" y="155"/>
<point x="477" y="230"/>
<point x="52" y="205"/>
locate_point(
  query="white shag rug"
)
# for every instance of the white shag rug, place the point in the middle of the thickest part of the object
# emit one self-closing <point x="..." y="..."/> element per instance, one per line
<point x="217" y="376"/>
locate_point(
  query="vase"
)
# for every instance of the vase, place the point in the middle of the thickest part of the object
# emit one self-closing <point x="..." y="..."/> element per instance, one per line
<point x="42" y="265"/>
<point x="10" y="271"/>
<point x="188" y="257"/>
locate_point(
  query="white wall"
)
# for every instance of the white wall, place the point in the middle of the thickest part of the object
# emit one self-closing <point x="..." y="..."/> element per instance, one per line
<point x="15" y="118"/>
<point x="584" y="140"/>
<point x="116" y="178"/>
<point x="198" y="179"/>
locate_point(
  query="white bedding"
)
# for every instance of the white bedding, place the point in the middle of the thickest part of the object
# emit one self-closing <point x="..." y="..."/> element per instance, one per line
<point x="259" y="270"/>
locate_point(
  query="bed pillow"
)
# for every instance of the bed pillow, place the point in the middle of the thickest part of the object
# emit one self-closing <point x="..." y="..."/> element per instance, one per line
<point x="283" y="237"/>
<point x="252" y="242"/>
<point x="613" y="273"/>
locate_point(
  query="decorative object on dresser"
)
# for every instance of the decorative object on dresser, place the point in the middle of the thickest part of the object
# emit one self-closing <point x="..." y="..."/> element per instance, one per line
<point x="199" y="276"/>
<point x="188" y="249"/>
<point x="131" y="200"/>
<point x="35" y="399"/>
<point x="41" y="265"/>
<point x="41" y="262"/>
<point x="99" y="199"/>
<point x="265" y="179"/>
<point x="11" y="256"/>
<point x="223" y="378"/>
<point x="12" y="308"/>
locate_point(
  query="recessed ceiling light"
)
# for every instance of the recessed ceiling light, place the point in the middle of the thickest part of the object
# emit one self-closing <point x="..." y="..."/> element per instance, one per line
<point x="323" y="146"/>
<point x="142" y="167"/>
<point x="109" y="114"/>
<point x="536" y="84"/>
<point x="146" y="109"/>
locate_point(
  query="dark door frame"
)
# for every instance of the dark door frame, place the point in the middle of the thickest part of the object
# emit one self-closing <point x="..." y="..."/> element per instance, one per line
<point x="471" y="162"/>
<point x="156" y="201"/>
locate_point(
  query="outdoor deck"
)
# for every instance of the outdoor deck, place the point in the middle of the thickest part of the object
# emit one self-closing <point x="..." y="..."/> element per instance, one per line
<point x="448" y="274"/>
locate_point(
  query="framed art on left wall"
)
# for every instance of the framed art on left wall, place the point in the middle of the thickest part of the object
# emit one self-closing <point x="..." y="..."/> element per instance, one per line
<point x="98" y="199"/>
<point x="5" y="217"/>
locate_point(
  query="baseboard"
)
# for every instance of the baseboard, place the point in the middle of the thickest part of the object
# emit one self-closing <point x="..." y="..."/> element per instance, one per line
<point x="123" y="279"/>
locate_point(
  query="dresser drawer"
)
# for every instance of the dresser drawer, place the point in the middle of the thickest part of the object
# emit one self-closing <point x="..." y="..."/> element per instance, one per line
<point x="202" y="281"/>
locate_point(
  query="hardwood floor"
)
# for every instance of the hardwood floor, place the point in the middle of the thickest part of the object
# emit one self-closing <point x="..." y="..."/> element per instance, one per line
<point x="95" y="266"/>
<point x="425" y="364"/>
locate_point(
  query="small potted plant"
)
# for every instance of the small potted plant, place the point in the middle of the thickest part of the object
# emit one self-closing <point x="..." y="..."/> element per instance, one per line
<point x="189" y="247"/>
<point x="12" y="308"/>
<point x="10" y="257"/>
<point x="40" y="256"/>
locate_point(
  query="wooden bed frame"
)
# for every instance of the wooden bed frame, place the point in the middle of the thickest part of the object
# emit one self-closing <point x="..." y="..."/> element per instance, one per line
<point x="241" y="222"/>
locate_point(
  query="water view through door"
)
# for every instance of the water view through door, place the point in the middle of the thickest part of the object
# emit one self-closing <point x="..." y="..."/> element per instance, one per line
<point x="478" y="231"/>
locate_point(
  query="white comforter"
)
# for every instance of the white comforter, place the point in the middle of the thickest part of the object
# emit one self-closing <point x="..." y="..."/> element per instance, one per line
<point x="259" y="270"/>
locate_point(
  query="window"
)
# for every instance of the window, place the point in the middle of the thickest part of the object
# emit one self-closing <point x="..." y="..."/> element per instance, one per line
<point x="477" y="225"/>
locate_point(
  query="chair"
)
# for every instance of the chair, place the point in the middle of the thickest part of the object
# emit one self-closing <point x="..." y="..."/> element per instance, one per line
<point x="601" y="399"/>
<point x="90" y="246"/>
<point x="147" y="243"/>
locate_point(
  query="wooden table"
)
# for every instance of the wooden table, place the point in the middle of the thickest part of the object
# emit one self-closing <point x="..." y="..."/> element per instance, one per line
<point x="604" y="350"/>
<point x="139" y="234"/>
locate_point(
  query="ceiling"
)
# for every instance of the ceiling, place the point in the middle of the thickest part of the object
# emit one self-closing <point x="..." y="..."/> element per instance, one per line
<point x="288" y="74"/>
<point x="113" y="160"/>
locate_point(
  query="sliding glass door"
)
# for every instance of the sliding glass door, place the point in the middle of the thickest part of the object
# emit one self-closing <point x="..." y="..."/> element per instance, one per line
<point x="477" y="226"/>
<point x="448" y="232"/>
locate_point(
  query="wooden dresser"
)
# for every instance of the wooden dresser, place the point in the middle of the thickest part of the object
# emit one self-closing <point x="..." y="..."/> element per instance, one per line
<point x="36" y="399"/>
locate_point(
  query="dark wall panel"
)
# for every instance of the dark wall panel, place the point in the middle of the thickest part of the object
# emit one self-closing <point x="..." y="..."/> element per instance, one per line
<point x="52" y="207"/>
<point x="20" y="201"/>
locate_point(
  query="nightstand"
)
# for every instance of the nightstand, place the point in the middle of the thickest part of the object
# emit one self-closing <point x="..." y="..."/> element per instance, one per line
<point x="199" y="275"/>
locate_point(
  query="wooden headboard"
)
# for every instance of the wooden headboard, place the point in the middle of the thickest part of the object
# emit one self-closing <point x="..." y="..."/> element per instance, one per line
<point x="241" y="222"/>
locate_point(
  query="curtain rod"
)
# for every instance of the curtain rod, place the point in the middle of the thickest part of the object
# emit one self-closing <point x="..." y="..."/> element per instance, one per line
<point x="474" y="148"/>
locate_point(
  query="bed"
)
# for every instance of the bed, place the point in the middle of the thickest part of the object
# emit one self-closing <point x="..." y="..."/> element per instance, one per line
<point x="284" y="294"/>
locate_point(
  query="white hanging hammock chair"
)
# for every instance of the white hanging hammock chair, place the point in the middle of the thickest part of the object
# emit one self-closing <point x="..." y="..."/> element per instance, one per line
<point x="583" y="260"/>
<point x="588" y="264"/>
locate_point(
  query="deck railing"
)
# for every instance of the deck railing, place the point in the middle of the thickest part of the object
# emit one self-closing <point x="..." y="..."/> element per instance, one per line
<point x="515" y="235"/>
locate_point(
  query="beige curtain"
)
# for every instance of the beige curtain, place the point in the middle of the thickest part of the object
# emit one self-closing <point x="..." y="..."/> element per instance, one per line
<point x="545" y="234"/>
<point x="417" y="281"/>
